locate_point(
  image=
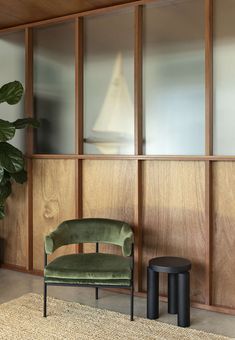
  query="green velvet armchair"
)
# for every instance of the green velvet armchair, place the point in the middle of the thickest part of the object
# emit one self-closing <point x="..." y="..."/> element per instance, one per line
<point x="91" y="269"/>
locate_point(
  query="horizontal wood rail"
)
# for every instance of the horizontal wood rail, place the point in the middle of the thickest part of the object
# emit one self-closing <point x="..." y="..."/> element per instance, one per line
<point x="134" y="157"/>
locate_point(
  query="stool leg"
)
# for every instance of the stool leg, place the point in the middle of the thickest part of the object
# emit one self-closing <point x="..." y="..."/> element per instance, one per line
<point x="172" y="293"/>
<point x="152" y="294"/>
<point x="184" y="299"/>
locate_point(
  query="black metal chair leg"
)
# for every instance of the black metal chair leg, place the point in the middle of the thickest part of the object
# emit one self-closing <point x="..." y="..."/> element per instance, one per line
<point x="45" y="301"/>
<point x="96" y="293"/>
<point x="132" y="304"/>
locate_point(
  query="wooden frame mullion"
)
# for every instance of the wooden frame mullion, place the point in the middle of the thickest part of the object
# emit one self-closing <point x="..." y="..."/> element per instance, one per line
<point x="209" y="77"/>
<point x="29" y="140"/>
<point x="138" y="223"/>
<point x="138" y="140"/>
<point x="138" y="95"/>
<point x="208" y="144"/>
<point x="79" y="51"/>
<point x="209" y="230"/>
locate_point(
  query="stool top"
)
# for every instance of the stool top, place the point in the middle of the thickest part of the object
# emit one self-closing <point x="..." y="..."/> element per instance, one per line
<point x="170" y="264"/>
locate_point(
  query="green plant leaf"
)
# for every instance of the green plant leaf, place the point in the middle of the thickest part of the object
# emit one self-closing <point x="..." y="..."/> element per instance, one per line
<point x="5" y="178"/>
<point x="11" y="92"/>
<point x="11" y="158"/>
<point x="20" y="177"/>
<point x="22" y="123"/>
<point x="2" y="213"/>
<point x="5" y="191"/>
<point x="1" y="173"/>
<point x="7" y="130"/>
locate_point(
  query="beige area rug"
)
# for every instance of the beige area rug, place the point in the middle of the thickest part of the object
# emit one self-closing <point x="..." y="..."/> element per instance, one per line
<point x="22" y="319"/>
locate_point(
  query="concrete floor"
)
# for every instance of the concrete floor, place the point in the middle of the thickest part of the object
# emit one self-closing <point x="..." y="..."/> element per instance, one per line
<point x="14" y="284"/>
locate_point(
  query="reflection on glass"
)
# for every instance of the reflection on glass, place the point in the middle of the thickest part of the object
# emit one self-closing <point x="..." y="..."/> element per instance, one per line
<point x="174" y="78"/>
<point x="54" y="88"/>
<point x="12" y="67"/>
<point x="224" y="77"/>
<point x="109" y="74"/>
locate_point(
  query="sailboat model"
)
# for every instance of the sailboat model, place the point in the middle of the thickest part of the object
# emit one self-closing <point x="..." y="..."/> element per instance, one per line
<point x="114" y="127"/>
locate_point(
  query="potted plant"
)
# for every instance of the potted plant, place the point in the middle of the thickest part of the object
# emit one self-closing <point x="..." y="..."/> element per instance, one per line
<point x="11" y="159"/>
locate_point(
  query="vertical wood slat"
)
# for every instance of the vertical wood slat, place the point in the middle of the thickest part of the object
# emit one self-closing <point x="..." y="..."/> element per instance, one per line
<point x="138" y="95"/>
<point x="208" y="77"/>
<point x="209" y="230"/>
<point x="29" y="138"/>
<point x="138" y="223"/>
<point x="78" y="195"/>
<point x="79" y="52"/>
<point x="208" y="143"/>
<point x="138" y="79"/>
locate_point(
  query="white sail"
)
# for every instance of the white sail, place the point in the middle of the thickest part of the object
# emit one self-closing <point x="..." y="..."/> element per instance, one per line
<point x="116" y="114"/>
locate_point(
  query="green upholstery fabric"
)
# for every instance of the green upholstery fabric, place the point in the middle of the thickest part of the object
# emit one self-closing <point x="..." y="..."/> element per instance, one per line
<point x="91" y="230"/>
<point x="89" y="268"/>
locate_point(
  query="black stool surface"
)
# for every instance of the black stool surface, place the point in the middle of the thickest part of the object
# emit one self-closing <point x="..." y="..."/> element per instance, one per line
<point x="170" y="264"/>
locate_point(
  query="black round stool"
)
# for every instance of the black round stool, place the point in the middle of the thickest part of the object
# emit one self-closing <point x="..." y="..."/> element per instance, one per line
<point x="178" y="287"/>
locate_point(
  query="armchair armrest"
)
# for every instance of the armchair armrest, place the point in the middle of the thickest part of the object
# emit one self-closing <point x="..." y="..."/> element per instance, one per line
<point x="127" y="241"/>
<point x="49" y="244"/>
<point x="57" y="238"/>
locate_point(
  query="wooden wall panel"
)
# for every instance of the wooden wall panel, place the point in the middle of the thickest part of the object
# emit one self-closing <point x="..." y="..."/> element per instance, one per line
<point x="109" y="191"/>
<point x="174" y="217"/>
<point x="224" y="234"/>
<point x="14" y="227"/>
<point x="53" y="202"/>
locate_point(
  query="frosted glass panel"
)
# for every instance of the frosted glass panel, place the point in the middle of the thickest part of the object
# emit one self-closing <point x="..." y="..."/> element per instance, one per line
<point x="54" y="88"/>
<point x="174" y="78"/>
<point x="224" y="77"/>
<point x="12" y="67"/>
<point x="109" y="88"/>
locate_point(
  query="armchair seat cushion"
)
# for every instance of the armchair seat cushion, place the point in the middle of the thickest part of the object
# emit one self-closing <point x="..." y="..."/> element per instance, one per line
<point x="89" y="268"/>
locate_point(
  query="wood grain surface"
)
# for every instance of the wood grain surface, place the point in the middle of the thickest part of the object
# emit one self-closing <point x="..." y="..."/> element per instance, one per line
<point x="174" y="217"/>
<point x="224" y="234"/>
<point x="53" y="202"/>
<point x="109" y="191"/>
<point x="16" y="12"/>
<point x="14" y="228"/>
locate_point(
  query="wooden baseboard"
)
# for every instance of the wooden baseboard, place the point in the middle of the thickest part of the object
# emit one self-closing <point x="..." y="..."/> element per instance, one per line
<point x="211" y="308"/>
<point x="13" y="267"/>
<point x="21" y="269"/>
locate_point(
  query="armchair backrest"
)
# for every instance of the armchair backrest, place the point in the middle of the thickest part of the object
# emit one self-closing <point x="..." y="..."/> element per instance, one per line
<point x="91" y="230"/>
